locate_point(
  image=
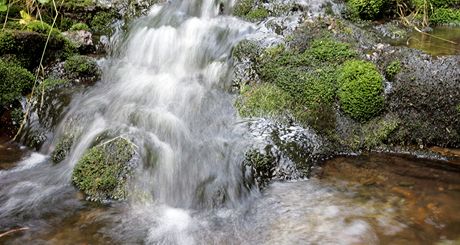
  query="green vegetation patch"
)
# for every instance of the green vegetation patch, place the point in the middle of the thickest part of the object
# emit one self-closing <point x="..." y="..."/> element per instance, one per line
<point x="103" y="170"/>
<point x="81" y="66"/>
<point x="445" y="16"/>
<point x="14" y="82"/>
<point x="393" y="69"/>
<point x="365" y="9"/>
<point x="360" y="89"/>
<point x="262" y="100"/>
<point x="79" y="27"/>
<point x="42" y="27"/>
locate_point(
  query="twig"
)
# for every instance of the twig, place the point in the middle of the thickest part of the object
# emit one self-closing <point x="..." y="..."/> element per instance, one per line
<point x="13" y="231"/>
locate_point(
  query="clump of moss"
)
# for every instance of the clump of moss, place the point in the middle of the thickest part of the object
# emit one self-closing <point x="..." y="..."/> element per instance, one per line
<point x="360" y="89"/>
<point x="328" y="50"/>
<point x="376" y="133"/>
<point x="6" y="42"/>
<point x="79" y="27"/>
<point x="14" y="81"/>
<point x="80" y="66"/>
<point x="393" y="69"/>
<point x="243" y="7"/>
<point x="42" y="27"/>
<point x="101" y="23"/>
<point x="257" y="14"/>
<point x="62" y="149"/>
<point x="262" y="100"/>
<point x="103" y="171"/>
<point x="365" y="9"/>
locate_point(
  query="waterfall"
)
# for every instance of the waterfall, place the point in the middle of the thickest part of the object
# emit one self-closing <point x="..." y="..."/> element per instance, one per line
<point x="166" y="90"/>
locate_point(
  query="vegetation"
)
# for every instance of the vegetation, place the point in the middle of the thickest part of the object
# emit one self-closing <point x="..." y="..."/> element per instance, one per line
<point x="79" y="26"/>
<point x="14" y="82"/>
<point x="365" y="9"/>
<point x="393" y="69"/>
<point x="81" y="66"/>
<point x="103" y="170"/>
<point x="262" y="100"/>
<point x="360" y="89"/>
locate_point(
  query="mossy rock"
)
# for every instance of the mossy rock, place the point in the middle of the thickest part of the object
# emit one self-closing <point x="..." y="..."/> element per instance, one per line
<point x="82" y="67"/>
<point x="62" y="149"/>
<point x="79" y="27"/>
<point x="28" y="46"/>
<point x="42" y="27"/>
<point x="262" y="100"/>
<point x="103" y="171"/>
<point x="14" y="82"/>
<point x="360" y="90"/>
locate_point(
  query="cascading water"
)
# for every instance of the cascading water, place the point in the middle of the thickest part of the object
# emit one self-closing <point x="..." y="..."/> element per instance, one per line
<point x="165" y="91"/>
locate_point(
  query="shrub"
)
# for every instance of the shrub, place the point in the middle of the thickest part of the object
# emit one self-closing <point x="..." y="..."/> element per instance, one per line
<point x="79" y="27"/>
<point x="360" y="89"/>
<point x="365" y="9"/>
<point x="14" y="81"/>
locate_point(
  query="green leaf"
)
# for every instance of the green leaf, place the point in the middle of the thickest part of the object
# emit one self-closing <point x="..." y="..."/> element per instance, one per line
<point x="43" y="1"/>
<point x="3" y="8"/>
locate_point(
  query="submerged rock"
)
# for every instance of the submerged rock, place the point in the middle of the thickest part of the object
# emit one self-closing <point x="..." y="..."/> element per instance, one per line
<point x="103" y="171"/>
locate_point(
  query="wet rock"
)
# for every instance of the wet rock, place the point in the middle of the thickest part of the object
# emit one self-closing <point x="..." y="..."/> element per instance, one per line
<point x="103" y="171"/>
<point x="283" y="152"/>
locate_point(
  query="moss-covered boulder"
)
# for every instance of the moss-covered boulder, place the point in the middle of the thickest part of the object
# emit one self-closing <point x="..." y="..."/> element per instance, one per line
<point x="360" y="90"/>
<point x="14" y="82"/>
<point x="83" y="68"/>
<point x="103" y="171"/>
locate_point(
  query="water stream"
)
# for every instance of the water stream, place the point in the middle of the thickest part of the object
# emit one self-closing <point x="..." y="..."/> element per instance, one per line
<point x="165" y="89"/>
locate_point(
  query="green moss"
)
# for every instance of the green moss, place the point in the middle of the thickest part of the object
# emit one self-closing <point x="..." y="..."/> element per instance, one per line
<point x="14" y="81"/>
<point x="42" y="27"/>
<point x="243" y="7"/>
<point x="360" y="90"/>
<point x="257" y="14"/>
<point x="62" y="148"/>
<point x="365" y="9"/>
<point x="101" y="23"/>
<point x="445" y="16"/>
<point x="6" y="42"/>
<point x="262" y="165"/>
<point x="393" y="69"/>
<point x="103" y="170"/>
<point x="376" y="133"/>
<point x="81" y="66"/>
<point x="51" y="83"/>
<point x="79" y="26"/>
<point x="262" y="100"/>
<point x="328" y="50"/>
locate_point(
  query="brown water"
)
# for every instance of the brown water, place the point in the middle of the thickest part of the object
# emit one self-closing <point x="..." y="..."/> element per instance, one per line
<point x="369" y="199"/>
<point x="435" y="43"/>
<point x="10" y="153"/>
